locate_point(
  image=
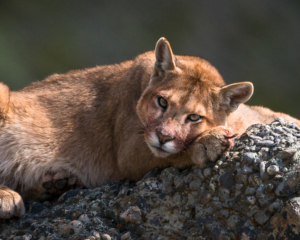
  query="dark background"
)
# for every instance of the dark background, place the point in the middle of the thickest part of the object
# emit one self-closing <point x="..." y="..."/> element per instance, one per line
<point x="257" y="41"/>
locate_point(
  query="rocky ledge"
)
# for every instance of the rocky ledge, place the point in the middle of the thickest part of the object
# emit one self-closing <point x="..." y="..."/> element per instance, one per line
<point x="253" y="192"/>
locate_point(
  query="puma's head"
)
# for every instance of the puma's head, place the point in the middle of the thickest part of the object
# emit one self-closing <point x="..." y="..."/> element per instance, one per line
<point x="186" y="97"/>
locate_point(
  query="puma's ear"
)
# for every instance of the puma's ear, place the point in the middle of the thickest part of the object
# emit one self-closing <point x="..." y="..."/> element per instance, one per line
<point x="235" y="94"/>
<point x="164" y="56"/>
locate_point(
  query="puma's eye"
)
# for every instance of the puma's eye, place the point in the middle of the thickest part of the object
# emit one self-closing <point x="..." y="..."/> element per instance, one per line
<point x="194" y="117"/>
<point x="162" y="102"/>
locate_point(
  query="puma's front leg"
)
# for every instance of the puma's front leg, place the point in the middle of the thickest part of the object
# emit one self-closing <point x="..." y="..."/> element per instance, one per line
<point x="59" y="182"/>
<point x="11" y="203"/>
<point x="211" y="145"/>
<point x="52" y="184"/>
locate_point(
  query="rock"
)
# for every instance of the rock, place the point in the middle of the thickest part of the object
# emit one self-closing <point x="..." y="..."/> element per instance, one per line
<point x="211" y="187"/>
<point x="255" y="180"/>
<point x="265" y="143"/>
<point x="286" y="154"/>
<point x="131" y="215"/>
<point x="262" y="168"/>
<point x="95" y="234"/>
<point x="249" y="157"/>
<point x="274" y="207"/>
<point x="272" y="170"/>
<point x="37" y="207"/>
<point x="261" y="217"/>
<point x="223" y="194"/>
<point x="247" y="169"/>
<point x="72" y="228"/>
<point x="250" y="200"/>
<point x="290" y="185"/>
<point x="113" y="232"/>
<point x="285" y="224"/>
<point x="281" y="120"/>
<point x="248" y="231"/>
<point x="217" y="205"/>
<point x="252" y="211"/>
<point x="179" y="184"/>
<point x="233" y="221"/>
<point x="249" y="193"/>
<point x="84" y="218"/>
<point x="278" y="129"/>
<point x="27" y="236"/>
<point x="125" y="236"/>
<point x="207" y="172"/>
<point x="226" y="180"/>
<point x="224" y="213"/>
<point x="195" y="184"/>
<point x="265" y="200"/>
<point x="105" y="237"/>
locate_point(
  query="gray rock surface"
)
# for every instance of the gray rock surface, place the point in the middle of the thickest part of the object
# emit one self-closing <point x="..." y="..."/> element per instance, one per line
<point x="250" y="193"/>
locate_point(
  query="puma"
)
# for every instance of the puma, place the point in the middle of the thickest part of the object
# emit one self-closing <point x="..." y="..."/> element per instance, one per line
<point x="95" y="126"/>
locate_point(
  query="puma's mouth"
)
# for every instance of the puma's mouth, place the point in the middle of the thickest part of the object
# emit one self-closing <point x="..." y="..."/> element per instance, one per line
<point x="160" y="149"/>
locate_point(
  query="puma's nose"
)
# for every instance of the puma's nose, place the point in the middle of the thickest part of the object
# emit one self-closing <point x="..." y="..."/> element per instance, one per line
<point x="163" y="138"/>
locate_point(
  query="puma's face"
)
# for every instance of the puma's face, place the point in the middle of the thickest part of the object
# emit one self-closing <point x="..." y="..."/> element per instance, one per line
<point x="184" y="99"/>
<point x="176" y="113"/>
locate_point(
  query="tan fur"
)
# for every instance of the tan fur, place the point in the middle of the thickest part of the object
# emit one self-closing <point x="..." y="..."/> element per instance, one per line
<point x="103" y="124"/>
<point x="248" y="115"/>
<point x="11" y="203"/>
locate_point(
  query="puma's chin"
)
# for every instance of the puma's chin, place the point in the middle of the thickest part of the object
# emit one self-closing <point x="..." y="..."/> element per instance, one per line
<point x="159" y="152"/>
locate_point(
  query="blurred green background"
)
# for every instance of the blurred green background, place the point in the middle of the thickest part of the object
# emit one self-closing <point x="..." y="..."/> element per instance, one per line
<point x="257" y="41"/>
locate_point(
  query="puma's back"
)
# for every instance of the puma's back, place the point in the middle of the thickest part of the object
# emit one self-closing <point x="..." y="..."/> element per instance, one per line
<point x="54" y="123"/>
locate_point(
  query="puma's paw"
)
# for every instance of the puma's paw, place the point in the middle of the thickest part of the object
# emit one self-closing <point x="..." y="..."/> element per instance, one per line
<point x="59" y="182"/>
<point x="11" y="203"/>
<point x="211" y="145"/>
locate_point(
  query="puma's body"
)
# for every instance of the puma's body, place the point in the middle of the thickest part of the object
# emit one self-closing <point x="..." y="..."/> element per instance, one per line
<point x="103" y="124"/>
<point x="246" y="115"/>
